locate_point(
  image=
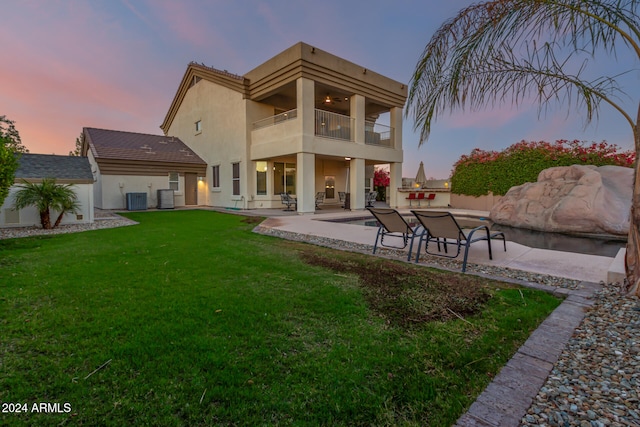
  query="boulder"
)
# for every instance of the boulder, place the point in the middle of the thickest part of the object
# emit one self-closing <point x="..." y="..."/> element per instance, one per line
<point x="570" y="199"/>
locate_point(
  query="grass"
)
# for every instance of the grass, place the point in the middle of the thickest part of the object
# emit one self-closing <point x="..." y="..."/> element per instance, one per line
<point x="191" y="319"/>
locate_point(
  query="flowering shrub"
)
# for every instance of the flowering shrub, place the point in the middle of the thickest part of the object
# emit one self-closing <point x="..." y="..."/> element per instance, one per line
<point x="482" y="171"/>
<point x="381" y="182"/>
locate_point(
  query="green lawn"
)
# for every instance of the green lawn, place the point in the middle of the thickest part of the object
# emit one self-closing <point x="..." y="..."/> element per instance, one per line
<point x="192" y="319"/>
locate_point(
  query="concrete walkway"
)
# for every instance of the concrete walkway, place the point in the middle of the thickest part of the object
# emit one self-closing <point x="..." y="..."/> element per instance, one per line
<point x="506" y="400"/>
<point x="592" y="268"/>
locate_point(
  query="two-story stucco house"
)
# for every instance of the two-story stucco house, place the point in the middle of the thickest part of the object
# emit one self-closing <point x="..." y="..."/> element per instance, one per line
<point x="304" y="122"/>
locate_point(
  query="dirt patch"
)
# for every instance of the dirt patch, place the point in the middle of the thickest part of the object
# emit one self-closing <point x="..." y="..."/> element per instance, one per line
<point x="253" y="220"/>
<point x="405" y="295"/>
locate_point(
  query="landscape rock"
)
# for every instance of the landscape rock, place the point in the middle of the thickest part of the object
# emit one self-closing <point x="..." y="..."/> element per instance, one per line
<point x="570" y="199"/>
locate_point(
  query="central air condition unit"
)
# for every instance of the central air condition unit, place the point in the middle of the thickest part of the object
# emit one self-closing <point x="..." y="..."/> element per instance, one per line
<point x="136" y="201"/>
<point x="165" y="199"/>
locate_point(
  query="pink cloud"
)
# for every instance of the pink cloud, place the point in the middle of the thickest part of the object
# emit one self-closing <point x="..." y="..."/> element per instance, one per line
<point x="74" y="70"/>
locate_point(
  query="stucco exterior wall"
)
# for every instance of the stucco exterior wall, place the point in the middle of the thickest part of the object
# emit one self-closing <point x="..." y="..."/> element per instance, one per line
<point x="482" y="203"/>
<point x="30" y="216"/>
<point x="116" y="187"/>
<point x="222" y="140"/>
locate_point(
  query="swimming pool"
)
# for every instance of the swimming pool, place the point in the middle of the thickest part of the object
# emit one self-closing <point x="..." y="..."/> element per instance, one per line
<point x="604" y="246"/>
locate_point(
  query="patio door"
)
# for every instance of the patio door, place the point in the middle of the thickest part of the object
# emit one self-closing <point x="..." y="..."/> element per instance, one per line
<point x="284" y="178"/>
<point x="190" y="189"/>
<point x="329" y="187"/>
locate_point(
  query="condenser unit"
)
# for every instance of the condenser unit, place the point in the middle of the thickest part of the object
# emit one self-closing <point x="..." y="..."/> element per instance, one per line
<point x="165" y="199"/>
<point x="136" y="201"/>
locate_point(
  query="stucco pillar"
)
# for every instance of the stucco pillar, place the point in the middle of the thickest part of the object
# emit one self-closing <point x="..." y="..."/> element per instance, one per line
<point x="357" y="116"/>
<point x="395" y="182"/>
<point x="305" y="182"/>
<point x="395" y="121"/>
<point x="356" y="184"/>
<point x="305" y="98"/>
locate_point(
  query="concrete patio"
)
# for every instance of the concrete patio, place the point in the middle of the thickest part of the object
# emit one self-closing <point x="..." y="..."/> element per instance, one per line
<point x="591" y="268"/>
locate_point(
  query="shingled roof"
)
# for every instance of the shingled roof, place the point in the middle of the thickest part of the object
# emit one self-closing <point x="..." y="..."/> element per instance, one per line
<point x="119" y="145"/>
<point x="65" y="169"/>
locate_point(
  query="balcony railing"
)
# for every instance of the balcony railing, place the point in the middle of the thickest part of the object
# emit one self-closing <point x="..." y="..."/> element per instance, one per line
<point x="335" y="126"/>
<point x="274" y="120"/>
<point x="377" y="134"/>
<point x="332" y="125"/>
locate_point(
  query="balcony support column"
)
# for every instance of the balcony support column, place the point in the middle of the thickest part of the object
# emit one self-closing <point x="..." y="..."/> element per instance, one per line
<point x="356" y="184"/>
<point x="305" y="94"/>
<point x="306" y="182"/>
<point x="357" y="114"/>
<point x="395" y="182"/>
<point x="395" y="121"/>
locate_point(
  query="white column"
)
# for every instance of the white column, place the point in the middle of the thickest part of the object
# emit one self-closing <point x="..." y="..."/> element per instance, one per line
<point x="305" y="162"/>
<point x="356" y="184"/>
<point x="305" y="93"/>
<point x="395" y="182"/>
<point x="357" y="116"/>
<point x="306" y="182"/>
<point x="395" y="121"/>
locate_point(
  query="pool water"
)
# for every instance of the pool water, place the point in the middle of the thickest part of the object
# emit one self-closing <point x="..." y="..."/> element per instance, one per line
<point x="534" y="239"/>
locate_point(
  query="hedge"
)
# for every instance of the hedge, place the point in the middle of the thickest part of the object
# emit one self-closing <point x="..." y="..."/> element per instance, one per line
<point x="482" y="171"/>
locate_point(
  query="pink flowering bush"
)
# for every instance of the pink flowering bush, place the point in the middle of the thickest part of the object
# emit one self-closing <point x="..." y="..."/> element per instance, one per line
<point x="482" y="171"/>
<point x="381" y="182"/>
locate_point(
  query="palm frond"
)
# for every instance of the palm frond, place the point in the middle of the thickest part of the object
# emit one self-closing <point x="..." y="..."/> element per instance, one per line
<point x="512" y="51"/>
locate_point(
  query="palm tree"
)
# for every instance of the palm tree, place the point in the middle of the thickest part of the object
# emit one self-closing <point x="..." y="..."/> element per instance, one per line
<point x="47" y="196"/>
<point x="514" y="51"/>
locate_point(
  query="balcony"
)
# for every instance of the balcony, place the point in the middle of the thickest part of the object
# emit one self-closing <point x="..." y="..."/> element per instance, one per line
<point x="378" y="134"/>
<point x="332" y="125"/>
<point x="274" y="120"/>
<point x="327" y="125"/>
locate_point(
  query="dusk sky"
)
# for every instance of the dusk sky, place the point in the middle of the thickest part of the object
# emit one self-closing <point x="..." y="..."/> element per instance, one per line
<point x="116" y="64"/>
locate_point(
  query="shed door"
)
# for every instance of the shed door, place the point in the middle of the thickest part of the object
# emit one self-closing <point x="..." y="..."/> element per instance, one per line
<point x="190" y="189"/>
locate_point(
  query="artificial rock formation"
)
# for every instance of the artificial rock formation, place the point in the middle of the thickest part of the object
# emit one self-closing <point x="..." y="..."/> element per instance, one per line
<point x="570" y="199"/>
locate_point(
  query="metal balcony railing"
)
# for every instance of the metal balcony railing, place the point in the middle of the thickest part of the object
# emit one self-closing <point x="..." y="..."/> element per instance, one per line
<point x="377" y="134"/>
<point x="332" y="125"/>
<point x="274" y="120"/>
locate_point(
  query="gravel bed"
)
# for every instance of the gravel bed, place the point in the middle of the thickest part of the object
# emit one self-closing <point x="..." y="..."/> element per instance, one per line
<point x="99" y="223"/>
<point x="596" y="381"/>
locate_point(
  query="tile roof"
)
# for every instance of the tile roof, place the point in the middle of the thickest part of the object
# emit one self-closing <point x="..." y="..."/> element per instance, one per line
<point x="38" y="166"/>
<point x="119" y="145"/>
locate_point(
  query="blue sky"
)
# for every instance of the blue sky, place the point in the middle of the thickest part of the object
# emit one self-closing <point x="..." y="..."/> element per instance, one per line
<point x="116" y="64"/>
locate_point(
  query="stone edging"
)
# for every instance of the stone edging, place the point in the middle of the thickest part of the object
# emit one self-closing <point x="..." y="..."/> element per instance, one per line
<point x="507" y="398"/>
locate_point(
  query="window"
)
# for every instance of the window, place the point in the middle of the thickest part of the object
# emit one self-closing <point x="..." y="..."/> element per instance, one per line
<point x="261" y="178"/>
<point x="174" y="184"/>
<point x="284" y="178"/>
<point x="215" y="174"/>
<point x="199" y="126"/>
<point x="236" y="178"/>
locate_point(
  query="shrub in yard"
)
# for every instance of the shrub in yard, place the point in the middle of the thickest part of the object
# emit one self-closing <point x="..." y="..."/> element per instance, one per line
<point x="47" y="196"/>
<point x="482" y="171"/>
<point x="381" y="182"/>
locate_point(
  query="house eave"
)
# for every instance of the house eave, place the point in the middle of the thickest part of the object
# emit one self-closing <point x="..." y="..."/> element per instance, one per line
<point x="146" y="168"/>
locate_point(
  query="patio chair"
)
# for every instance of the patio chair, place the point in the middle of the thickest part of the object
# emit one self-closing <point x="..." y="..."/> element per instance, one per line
<point x="371" y="197"/>
<point x="420" y="198"/>
<point x="288" y="199"/>
<point x="342" y="196"/>
<point x="412" y="197"/>
<point x="430" y="197"/>
<point x="443" y="225"/>
<point x="319" y="198"/>
<point x="392" y="224"/>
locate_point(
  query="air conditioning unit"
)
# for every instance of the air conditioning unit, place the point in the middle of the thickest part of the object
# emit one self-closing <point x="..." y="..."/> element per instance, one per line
<point x="165" y="199"/>
<point x="136" y="201"/>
